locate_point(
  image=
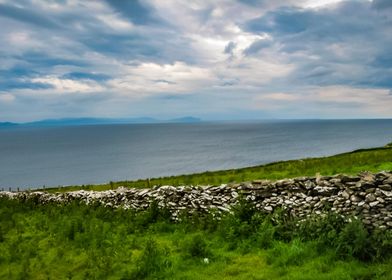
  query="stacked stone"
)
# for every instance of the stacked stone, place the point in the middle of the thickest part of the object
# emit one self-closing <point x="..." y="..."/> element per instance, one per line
<point x="367" y="196"/>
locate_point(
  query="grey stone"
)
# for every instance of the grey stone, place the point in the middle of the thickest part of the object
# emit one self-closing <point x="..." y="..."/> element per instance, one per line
<point x="370" y="190"/>
<point x="360" y="204"/>
<point x="374" y="203"/>
<point x="345" y="194"/>
<point x="234" y="194"/>
<point x="380" y="200"/>
<point x="388" y="181"/>
<point x="385" y="187"/>
<point x="370" y="197"/>
<point x="355" y="198"/>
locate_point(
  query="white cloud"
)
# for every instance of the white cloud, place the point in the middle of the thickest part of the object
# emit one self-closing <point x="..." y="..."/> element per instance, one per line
<point x="336" y="101"/>
<point x="254" y="72"/>
<point x="149" y="78"/>
<point x="67" y="85"/>
<point x="373" y="99"/>
<point x="116" y="23"/>
<point x="6" y="98"/>
<point x="279" y="96"/>
<point x="318" y="3"/>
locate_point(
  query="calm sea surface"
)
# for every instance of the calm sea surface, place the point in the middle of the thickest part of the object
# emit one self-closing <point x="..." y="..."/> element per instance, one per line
<point x="51" y="156"/>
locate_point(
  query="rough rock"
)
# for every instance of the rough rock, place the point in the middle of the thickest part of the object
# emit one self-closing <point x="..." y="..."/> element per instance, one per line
<point x="367" y="195"/>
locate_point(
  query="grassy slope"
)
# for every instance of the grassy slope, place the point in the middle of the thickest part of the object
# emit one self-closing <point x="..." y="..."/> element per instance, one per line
<point x="350" y="163"/>
<point x="87" y="242"/>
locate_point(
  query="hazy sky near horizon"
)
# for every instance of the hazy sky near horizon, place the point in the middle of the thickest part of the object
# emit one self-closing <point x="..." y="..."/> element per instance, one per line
<point x="243" y="59"/>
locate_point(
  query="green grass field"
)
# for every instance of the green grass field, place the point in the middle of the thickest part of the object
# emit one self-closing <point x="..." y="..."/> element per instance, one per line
<point x="349" y="163"/>
<point x="92" y="242"/>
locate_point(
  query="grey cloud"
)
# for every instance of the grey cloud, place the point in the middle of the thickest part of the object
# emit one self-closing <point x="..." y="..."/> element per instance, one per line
<point x="251" y="2"/>
<point x="383" y="59"/>
<point x="86" y="76"/>
<point x="174" y="97"/>
<point x="7" y="85"/>
<point x="284" y="20"/>
<point x="136" y="11"/>
<point x="256" y="46"/>
<point x="347" y="44"/>
<point x="347" y="18"/>
<point x="228" y="83"/>
<point x="40" y="59"/>
<point x="27" y="16"/>
<point x="382" y="4"/>
<point x="230" y="48"/>
<point x="164" y="81"/>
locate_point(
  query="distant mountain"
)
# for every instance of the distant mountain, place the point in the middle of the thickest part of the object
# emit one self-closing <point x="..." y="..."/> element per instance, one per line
<point x="65" y="122"/>
<point x="95" y="121"/>
<point x="185" y="120"/>
<point x="7" y="124"/>
<point x="88" y="121"/>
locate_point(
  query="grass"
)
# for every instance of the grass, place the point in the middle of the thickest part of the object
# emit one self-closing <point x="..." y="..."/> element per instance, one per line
<point x="92" y="242"/>
<point x="375" y="159"/>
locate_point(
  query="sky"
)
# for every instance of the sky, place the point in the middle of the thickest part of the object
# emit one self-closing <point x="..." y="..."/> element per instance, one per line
<point x="217" y="60"/>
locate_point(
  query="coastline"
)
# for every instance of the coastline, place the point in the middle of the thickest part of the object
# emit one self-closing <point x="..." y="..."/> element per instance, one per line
<point x="373" y="159"/>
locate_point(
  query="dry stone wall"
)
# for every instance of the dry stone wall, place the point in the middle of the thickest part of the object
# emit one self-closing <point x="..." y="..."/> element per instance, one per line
<point x="367" y="196"/>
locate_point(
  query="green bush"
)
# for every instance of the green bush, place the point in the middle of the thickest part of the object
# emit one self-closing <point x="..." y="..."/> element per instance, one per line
<point x="194" y="221"/>
<point x="382" y="243"/>
<point x="152" y="261"/>
<point x="285" y="225"/>
<point x="353" y="241"/>
<point x="196" y="247"/>
<point x="264" y="236"/>
<point x="325" y="229"/>
<point x="244" y="210"/>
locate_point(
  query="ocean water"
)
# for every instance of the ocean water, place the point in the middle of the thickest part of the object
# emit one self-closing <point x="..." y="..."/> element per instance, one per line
<point x="52" y="156"/>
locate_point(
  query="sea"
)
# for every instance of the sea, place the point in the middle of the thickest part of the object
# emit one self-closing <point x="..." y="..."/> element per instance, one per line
<point x="33" y="157"/>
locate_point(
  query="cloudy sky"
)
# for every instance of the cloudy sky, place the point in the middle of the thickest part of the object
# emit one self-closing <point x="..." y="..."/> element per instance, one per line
<point x="221" y="59"/>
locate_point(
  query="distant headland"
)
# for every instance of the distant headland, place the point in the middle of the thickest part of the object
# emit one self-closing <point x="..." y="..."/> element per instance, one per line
<point x="97" y="121"/>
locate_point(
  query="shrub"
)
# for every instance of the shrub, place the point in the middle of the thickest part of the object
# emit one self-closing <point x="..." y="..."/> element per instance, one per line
<point x="153" y="260"/>
<point x="353" y="241"/>
<point x="153" y="214"/>
<point x="264" y="236"/>
<point x="244" y="210"/>
<point x="191" y="221"/>
<point x="196" y="247"/>
<point x="284" y="225"/>
<point x="324" y="229"/>
<point x="381" y="241"/>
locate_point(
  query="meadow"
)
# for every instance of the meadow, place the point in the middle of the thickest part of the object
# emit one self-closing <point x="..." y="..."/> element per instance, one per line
<point x="76" y="241"/>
